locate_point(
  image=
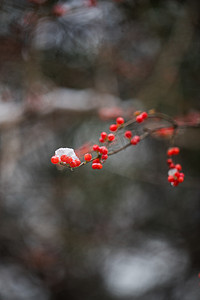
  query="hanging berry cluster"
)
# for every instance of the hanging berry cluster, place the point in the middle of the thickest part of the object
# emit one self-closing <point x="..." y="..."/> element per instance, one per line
<point x="100" y="153"/>
<point x="174" y="175"/>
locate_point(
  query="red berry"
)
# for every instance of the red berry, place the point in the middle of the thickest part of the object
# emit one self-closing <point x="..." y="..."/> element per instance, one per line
<point x="170" y="152"/>
<point x="72" y="164"/>
<point x="103" y="150"/>
<point x="87" y="156"/>
<point x="77" y="162"/>
<point x="96" y="147"/>
<point x="144" y="115"/>
<point x="68" y="159"/>
<point x="97" y="160"/>
<point x="175" y="183"/>
<point x="182" y="175"/>
<point x="111" y="137"/>
<point x="178" y="167"/>
<point x="176" y="150"/>
<point x="113" y="127"/>
<point x="173" y="151"/>
<point x="139" y="118"/>
<point x="128" y="134"/>
<point x="171" y="178"/>
<point x="55" y="159"/>
<point x="177" y="174"/>
<point x="169" y="161"/>
<point x="101" y="140"/>
<point x="180" y="179"/>
<point x="135" y="140"/>
<point x="99" y="166"/>
<point x="103" y="135"/>
<point x="63" y="158"/>
<point x="94" y="165"/>
<point x="172" y="166"/>
<point x="120" y="120"/>
<point x="104" y="156"/>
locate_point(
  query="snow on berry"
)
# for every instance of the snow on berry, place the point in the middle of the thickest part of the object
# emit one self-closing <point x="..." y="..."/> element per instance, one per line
<point x="66" y="151"/>
<point x="66" y="156"/>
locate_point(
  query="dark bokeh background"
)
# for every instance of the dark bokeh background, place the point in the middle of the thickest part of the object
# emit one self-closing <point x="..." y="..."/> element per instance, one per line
<point x="121" y="233"/>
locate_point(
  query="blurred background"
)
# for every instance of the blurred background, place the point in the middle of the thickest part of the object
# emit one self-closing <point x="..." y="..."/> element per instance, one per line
<point x="67" y="70"/>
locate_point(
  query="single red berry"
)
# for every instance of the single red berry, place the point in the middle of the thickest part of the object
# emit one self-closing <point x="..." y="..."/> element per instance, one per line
<point x="104" y="156"/>
<point x="177" y="174"/>
<point x="96" y="147"/>
<point x="103" y="150"/>
<point x="139" y="118"/>
<point x="87" y="156"/>
<point x="144" y="115"/>
<point x="169" y="161"/>
<point x="128" y="134"/>
<point x="120" y="120"/>
<point x="113" y="127"/>
<point x="180" y="179"/>
<point x="63" y="158"/>
<point x="72" y="164"/>
<point x="77" y="162"/>
<point x="172" y="166"/>
<point x="55" y="159"/>
<point x="111" y="137"/>
<point x="170" y="152"/>
<point x="99" y="166"/>
<point x="182" y="175"/>
<point x="175" y="183"/>
<point x="97" y="160"/>
<point x="171" y="178"/>
<point x="101" y="140"/>
<point x="178" y="167"/>
<point x="68" y="159"/>
<point x="103" y="135"/>
<point x="135" y="140"/>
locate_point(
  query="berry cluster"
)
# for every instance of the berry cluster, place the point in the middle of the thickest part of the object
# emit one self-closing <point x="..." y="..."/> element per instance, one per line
<point x="66" y="157"/>
<point x="141" y="117"/>
<point x="104" y="137"/>
<point x="119" y="123"/>
<point x="135" y="140"/>
<point x="102" y="156"/>
<point x="174" y="175"/>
